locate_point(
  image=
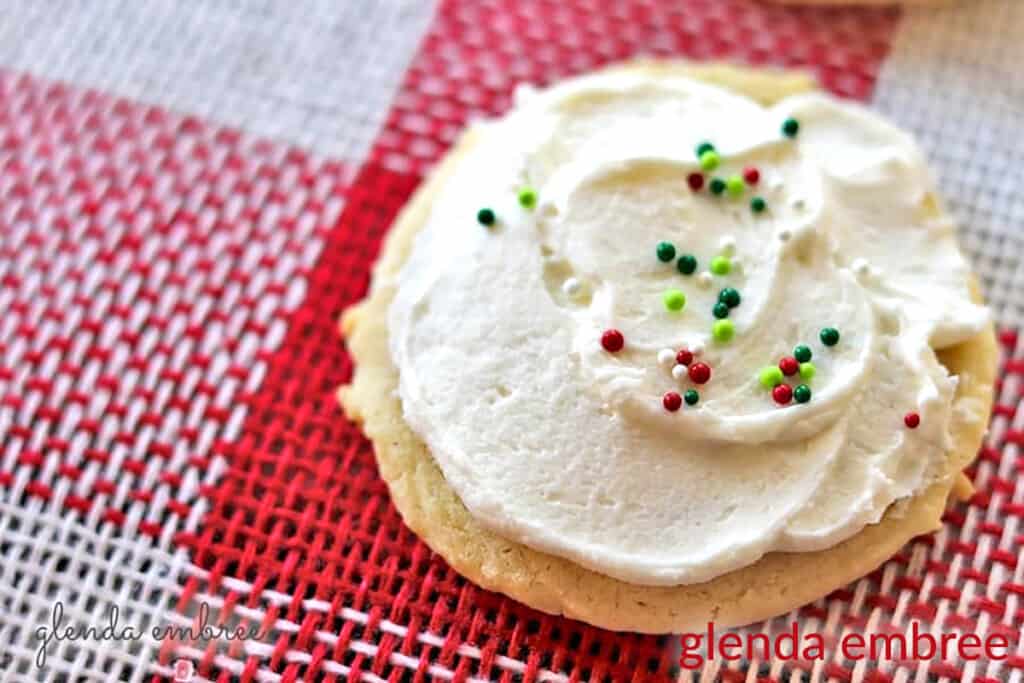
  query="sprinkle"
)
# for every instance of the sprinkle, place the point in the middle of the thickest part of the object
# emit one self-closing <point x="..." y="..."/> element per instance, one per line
<point x="691" y="397"/>
<point x="729" y="296"/>
<point x="684" y="357"/>
<point x="829" y="336"/>
<point x="666" y="251"/>
<point x="679" y="371"/>
<point x="770" y="377"/>
<point x="720" y="310"/>
<point x="912" y="420"/>
<point x="798" y="203"/>
<point x="727" y="245"/>
<point x="700" y="373"/>
<point x="757" y="204"/>
<point x="528" y="197"/>
<point x="686" y="264"/>
<point x="735" y="185"/>
<point x="785" y="235"/>
<point x="790" y="127"/>
<point x="862" y="268"/>
<point x="571" y="287"/>
<point x="696" y="347"/>
<point x="485" y="217"/>
<point x="802" y="353"/>
<point x="709" y="160"/>
<point x="723" y="330"/>
<point x="674" y="299"/>
<point x="695" y="181"/>
<point x="751" y="175"/>
<point x="789" y="366"/>
<point x="612" y="340"/>
<point x="782" y="394"/>
<point x="523" y="93"/>
<point x="717" y="186"/>
<point x="807" y="371"/>
<point x="704" y="146"/>
<point x="802" y="393"/>
<point x="720" y="265"/>
<point x="671" y="400"/>
<point x="704" y="279"/>
<point x="666" y="356"/>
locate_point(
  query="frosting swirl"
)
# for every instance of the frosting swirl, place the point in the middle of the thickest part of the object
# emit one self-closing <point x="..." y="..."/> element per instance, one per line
<point x="554" y="442"/>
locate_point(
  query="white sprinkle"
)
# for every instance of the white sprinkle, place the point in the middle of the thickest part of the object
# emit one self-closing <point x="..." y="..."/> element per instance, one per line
<point x="572" y="287"/>
<point x="679" y="371"/>
<point x="727" y="245"/>
<point x="704" y="280"/>
<point x="860" y="266"/>
<point x="666" y="356"/>
<point x="696" y="347"/>
<point x="523" y="93"/>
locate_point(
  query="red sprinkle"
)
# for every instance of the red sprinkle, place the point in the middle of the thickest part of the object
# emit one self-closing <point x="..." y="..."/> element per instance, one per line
<point x="751" y="175"/>
<point x="671" y="400"/>
<point x="684" y="357"/>
<point x="612" y="340"/>
<point x="695" y="181"/>
<point x="789" y="366"/>
<point x="700" y="373"/>
<point x="912" y="420"/>
<point x="782" y="394"/>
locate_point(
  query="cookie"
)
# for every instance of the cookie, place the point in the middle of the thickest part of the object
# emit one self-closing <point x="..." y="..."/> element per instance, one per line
<point x="777" y="582"/>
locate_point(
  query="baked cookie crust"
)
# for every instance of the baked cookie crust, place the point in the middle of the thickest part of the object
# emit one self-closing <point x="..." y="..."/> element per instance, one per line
<point x="775" y="584"/>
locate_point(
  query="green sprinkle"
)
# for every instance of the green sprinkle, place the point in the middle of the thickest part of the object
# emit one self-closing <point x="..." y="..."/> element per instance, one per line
<point x="802" y="353"/>
<point x="691" y="397"/>
<point x="721" y="265"/>
<point x="687" y="264"/>
<point x="709" y="160"/>
<point x="802" y="393"/>
<point x="807" y="371"/>
<point x="735" y="185"/>
<point x="674" y="299"/>
<point x="723" y="330"/>
<point x="729" y="296"/>
<point x="790" y="127"/>
<point x="829" y="336"/>
<point x="666" y="251"/>
<point x="485" y="217"/>
<point x="757" y="204"/>
<point x="720" y="310"/>
<point x="717" y="186"/>
<point x="528" y="197"/>
<point x="704" y="147"/>
<point x="770" y="376"/>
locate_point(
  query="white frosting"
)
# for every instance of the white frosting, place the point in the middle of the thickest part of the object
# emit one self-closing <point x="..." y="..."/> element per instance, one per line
<point x="558" y="444"/>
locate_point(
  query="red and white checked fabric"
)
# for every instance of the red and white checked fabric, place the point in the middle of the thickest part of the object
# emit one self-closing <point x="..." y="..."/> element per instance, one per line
<point x="170" y="286"/>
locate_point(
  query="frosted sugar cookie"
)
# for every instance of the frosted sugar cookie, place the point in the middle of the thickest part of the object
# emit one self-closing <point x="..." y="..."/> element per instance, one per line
<point x="668" y="344"/>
